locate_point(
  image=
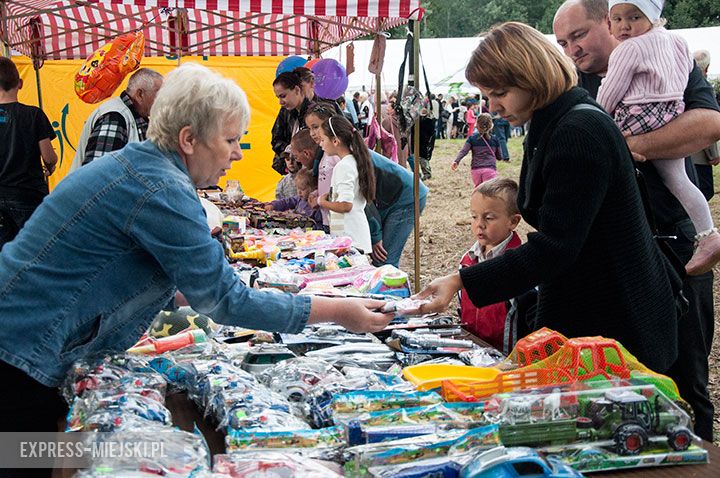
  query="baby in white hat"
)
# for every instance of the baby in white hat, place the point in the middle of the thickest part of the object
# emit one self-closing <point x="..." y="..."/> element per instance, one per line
<point x="647" y="75"/>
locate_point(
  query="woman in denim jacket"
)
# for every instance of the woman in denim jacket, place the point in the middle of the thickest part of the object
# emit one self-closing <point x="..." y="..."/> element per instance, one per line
<point x="115" y="241"/>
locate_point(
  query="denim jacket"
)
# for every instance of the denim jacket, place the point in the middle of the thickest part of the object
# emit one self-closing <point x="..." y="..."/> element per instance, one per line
<point x="105" y="252"/>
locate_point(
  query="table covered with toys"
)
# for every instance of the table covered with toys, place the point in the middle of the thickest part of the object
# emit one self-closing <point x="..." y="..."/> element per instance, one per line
<point x="422" y="398"/>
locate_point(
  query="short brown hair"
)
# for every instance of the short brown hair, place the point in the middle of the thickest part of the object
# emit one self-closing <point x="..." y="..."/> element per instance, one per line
<point x="484" y="123"/>
<point x="515" y="55"/>
<point x="595" y="10"/>
<point x="303" y="141"/>
<point x="9" y="76"/>
<point x="504" y="189"/>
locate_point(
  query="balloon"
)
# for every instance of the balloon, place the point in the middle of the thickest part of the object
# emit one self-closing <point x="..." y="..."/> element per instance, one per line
<point x="310" y="63"/>
<point x="289" y="64"/>
<point x="104" y="70"/>
<point x="331" y="80"/>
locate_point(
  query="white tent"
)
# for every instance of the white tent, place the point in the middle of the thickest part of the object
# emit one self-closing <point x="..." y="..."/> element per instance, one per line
<point x="446" y="58"/>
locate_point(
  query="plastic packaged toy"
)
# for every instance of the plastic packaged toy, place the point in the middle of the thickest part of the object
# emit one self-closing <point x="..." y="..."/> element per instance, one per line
<point x="105" y="411"/>
<point x="271" y="465"/>
<point x="351" y="404"/>
<point x="295" y="378"/>
<point x="621" y="421"/>
<point x="360" y="459"/>
<point x="166" y="452"/>
<point x="324" y="444"/>
<point x="385" y="280"/>
<point x="406" y="422"/>
<point x="110" y="373"/>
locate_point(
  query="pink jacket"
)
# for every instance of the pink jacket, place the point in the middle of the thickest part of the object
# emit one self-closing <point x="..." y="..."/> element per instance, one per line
<point x="651" y="68"/>
<point x="388" y="144"/>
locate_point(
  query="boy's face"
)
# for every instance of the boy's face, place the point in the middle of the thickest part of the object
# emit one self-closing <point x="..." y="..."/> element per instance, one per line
<point x="292" y="165"/>
<point x="491" y="222"/>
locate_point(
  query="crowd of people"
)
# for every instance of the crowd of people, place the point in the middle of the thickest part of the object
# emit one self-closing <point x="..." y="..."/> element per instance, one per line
<point x="597" y="263"/>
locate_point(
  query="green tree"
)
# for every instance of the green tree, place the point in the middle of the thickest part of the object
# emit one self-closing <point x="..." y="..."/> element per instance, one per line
<point x="464" y="18"/>
<point x="693" y="13"/>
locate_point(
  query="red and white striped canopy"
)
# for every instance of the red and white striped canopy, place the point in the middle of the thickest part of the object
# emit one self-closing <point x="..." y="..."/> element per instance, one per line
<point x="73" y="29"/>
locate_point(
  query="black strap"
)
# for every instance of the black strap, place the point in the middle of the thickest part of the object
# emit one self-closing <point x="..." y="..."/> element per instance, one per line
<point x="401" y="76"/>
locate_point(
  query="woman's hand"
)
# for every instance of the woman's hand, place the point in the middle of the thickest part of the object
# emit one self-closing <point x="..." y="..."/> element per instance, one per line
<point x="356" y="315"/>
<point x="268" y="207"/>
<point x="441" y="291"/>
<point x="454" y="166"/>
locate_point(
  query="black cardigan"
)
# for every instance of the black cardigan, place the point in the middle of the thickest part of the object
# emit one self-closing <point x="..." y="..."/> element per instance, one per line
<point x="594" y="259"/>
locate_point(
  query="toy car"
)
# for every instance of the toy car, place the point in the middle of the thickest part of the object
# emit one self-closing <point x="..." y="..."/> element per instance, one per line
<point x="515" y="462"/>
<point x="263" y="356"/>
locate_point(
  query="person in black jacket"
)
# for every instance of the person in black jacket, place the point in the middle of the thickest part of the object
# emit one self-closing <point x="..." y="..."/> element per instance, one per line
<point x="580" y="27"/>
<point x="294" y="104"/>
<point x="593" y="257"/>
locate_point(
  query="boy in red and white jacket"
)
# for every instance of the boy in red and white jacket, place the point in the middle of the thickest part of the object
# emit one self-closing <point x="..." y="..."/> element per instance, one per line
<point x="495" y="215"/>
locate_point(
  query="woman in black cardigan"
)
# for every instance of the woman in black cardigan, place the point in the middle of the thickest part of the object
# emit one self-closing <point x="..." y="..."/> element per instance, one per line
<point x="593" y="257"/>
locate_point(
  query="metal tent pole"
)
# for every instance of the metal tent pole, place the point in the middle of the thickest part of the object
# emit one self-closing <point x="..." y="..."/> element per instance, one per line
<point x="415" y="72"/>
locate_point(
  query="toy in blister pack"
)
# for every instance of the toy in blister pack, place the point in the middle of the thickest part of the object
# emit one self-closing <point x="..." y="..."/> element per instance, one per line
<point x="324" y="444"/>
<point x="105" y="410"/>
<point x="482" y="357"/>
<point x="405" y="422"/>
<point x="295" y="378"/>
<point x="385" y="280"/>
<point x="359" y="459"/>
<point x="271" y="465"/>
<point x="267" y="419"/>
<point x="351" y="404"/>
<point x="319" y="402"/>
<point x="634" y="421"/>
<point x="89" y="375"/>
<point x="368" y="355"/>
<point x="430" y="343"/>
<point x="161" y="452"/>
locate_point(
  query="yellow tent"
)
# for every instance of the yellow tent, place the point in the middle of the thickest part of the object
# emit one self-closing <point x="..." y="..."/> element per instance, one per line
<point x="255" y="75"/>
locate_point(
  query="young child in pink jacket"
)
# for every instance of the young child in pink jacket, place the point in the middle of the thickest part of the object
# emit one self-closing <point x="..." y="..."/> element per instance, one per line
<point x="647" y="75"/>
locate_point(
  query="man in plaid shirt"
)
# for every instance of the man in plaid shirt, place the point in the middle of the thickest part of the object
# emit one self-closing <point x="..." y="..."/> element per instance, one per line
<point x="120" y="120"/>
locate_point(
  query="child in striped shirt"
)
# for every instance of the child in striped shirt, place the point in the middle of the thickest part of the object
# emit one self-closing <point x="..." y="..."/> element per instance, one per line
<point x="647" y="75"/>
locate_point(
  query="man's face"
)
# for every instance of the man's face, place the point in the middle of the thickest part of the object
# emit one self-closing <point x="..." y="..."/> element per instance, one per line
<point x="587" y="42"/>
<point x="144" y="99"/>
<point x="304" y="157"/>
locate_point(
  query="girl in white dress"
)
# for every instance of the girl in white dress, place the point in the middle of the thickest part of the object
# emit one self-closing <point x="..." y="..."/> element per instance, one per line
<point x="352" y="184"/>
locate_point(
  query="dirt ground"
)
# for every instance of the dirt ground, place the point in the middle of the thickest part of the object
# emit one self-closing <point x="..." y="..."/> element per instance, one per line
<point x="445" y="230"/>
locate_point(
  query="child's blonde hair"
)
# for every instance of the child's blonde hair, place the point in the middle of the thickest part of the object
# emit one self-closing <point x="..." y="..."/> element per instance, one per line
<point x="504" y="189"/>
<point x="304" y="177"/>
<point x="484" y="124"/>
